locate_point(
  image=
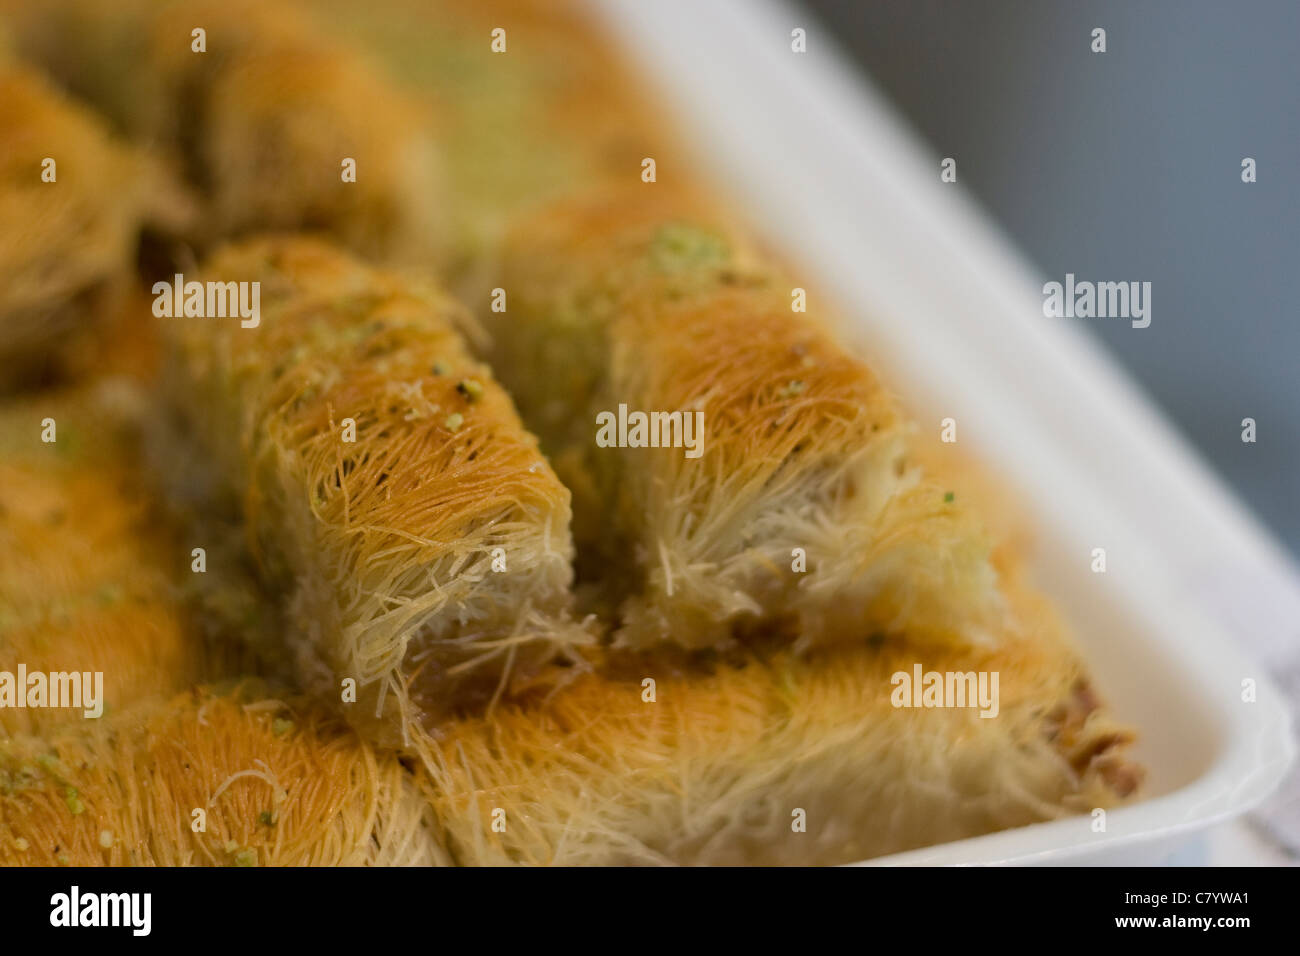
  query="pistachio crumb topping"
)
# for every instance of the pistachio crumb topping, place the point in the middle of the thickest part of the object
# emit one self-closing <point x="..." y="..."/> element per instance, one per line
<point x="471" y="388"/>
<point x="677" y="247"/>
<point x="454" y="421"/>
<point x="110" y="594"/>
<point x="73" y="800"/>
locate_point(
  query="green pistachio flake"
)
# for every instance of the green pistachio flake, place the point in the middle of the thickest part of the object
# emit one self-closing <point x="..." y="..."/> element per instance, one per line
<point x="110" y="594"/>
<point x="454" y="421"/>
<point x="73" y="800"/>
<point x="948" y="498"/>
<point x="246" y="857"/>
<point x="470" y="388"/>
<point x="678" y="247"/>
<point x="281" y="726"/>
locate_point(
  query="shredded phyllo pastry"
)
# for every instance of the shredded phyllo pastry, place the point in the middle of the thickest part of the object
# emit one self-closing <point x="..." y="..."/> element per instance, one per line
<point x="388" y="485"/>
<point x="220" y="777"/>
<point x="73" y="202"/>
<point x="714" y="771"/>
<point x="583" y="539"/>
<point x="90" y="579"/>
<point x="625" y="299"/>
<point x="266" y="120"/>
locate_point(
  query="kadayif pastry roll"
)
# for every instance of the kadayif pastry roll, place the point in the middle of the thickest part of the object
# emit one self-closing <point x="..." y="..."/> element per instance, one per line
<point x="74" y="202"/>
<point x="772" y="757"/>
<point x="389" y="488"/>
<point x="277" y="125"/>
<point x="736" y="471"/>
<point x="237" y="775"/>
<point x="99" y="606"/>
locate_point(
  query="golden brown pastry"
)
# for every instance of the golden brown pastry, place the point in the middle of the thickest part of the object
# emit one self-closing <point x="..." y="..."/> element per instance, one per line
<point x="767" y="486"/>
<point x="389" y="489"/>
<point x="263" y="118"/>
<point x="765" y="596"/>
<point x="556" y="110"/>
<point x="94" y="587"/>
<point x="221" y="777"/>
<point x="769" y="757"/>
<point x="74" y="203"/>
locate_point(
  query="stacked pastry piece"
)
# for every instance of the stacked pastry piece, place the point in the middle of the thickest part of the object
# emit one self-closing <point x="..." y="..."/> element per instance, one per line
<point x="268" y="118"/>
<point x="83" y="581"/>
<point x="74" y="202"/>
<point x="228" y="775"/>
<point x="748" y="592"/>
<point x="799" y="513"/>
<point x="389" y="488"/>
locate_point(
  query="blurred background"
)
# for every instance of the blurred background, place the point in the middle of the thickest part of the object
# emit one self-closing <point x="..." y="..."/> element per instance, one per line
<point x="1127" y="166"/>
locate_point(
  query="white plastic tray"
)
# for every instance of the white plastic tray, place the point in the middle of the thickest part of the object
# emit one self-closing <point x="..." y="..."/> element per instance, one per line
<point x="823" y="166"/>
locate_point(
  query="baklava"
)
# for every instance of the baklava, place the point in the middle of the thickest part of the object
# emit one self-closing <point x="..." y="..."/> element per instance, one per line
<point x="389" y="488"/>
<point x="94" y="588"/>
<point x="771" y="757"/>
<point x="735" y="469"/>
<point x="74" y="202"/>
<point x="276" y="125"/>
<point x="223" y="776"/>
